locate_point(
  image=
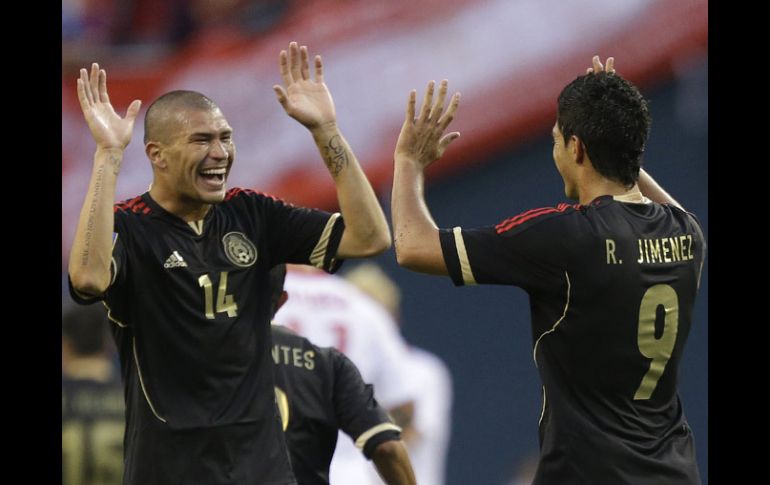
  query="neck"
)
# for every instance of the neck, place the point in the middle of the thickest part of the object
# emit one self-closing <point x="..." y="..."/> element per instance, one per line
<point x="598" y="186"/>
<point x="187" y="210"/>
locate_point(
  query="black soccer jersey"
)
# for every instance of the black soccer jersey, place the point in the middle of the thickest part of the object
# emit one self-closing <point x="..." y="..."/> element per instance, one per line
<point x="191" y="306"/>
<point x="320" y="391"/>
<point x="612" y="287"/>
<point x="92" y="425"/>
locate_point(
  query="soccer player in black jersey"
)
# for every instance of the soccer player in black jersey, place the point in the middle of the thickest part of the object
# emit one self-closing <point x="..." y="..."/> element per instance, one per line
<point x="183" y="270"/>
<point x="92" y="409"/>
<point x="612" y="282"/>
<point x="320" y="391"/>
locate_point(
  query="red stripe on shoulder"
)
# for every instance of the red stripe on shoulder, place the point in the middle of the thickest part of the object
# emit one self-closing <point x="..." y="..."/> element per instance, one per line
<point x="237" y="191"/>
<point x="127" y="204"/>
<point x="517" y="220"/>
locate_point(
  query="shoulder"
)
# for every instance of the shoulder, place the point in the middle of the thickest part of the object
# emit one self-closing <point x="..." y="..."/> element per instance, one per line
<point x="537" y="217"/>
<point x="238" y="194"/>
<point x="683" y="213"/>
<point x="285" y="336"/>
<point x="341" y="362"/>
<point x="135" y="205"/>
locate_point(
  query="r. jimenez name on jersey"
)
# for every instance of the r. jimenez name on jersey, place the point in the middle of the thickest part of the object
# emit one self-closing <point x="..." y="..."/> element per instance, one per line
<point x="671" y="249"/>
<point x="296" y="356"/>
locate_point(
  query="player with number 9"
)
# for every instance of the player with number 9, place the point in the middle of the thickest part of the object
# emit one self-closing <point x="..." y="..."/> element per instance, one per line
<point x="612" y="281"/>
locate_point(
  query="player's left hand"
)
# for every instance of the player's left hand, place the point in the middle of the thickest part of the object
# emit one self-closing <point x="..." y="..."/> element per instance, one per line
<point x="596" y="66"/>
<point x="422" y="140"/>
<point x="306" y="100"/>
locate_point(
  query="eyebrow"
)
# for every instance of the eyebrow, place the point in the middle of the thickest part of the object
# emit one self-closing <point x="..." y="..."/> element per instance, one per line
<point x="209" y="135"/>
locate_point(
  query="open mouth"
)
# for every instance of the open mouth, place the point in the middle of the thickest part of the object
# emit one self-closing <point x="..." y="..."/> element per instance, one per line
<point x="213" y="176"/>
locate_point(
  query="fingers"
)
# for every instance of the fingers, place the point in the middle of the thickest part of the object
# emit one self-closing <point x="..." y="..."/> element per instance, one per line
<point x="427" y="101"/>
<point x="86" y="86"/>
<point x="434" y="113"/>
<point x="610" y="65"/>
<point x="133" y="110"/>
<point x="319" y="70"/>
<point x="438" y="107"/>
<point x="283" y="61"/>
<point x="294" y="62"/>
<point x="103" y="86"/>
<point x="444" y="142"/>
<point x="410" y="106"/>
<point x="84" y="103"/>
<point x="281" y="95"/>
<point x="450" y="113"/>
<point x="304" y="65"/>
<point x="597" y="64"/>
<point x="94" y="81"/>
<point x="295" y="66"/>
<point x="84" y="90"/>
<point x="598" y="67"/>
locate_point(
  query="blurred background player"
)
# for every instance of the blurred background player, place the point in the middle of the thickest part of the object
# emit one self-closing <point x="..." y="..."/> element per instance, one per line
<point x="319" y="391"/>
<point x="427" y="438"/>
<point x="330" y="312"/>
<point x="92" y="401"/>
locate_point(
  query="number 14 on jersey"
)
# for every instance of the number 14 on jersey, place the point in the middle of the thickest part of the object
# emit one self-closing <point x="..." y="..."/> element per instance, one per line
<point x="225" y="303"/>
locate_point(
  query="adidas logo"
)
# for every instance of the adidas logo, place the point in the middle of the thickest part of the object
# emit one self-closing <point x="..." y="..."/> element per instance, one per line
<point x="175" y="261"/>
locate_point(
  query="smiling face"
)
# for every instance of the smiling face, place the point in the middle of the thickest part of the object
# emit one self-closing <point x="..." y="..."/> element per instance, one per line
<point x="198" y="156"/>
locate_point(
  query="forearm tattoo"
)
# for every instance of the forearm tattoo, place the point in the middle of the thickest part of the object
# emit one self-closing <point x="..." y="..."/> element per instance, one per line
<point x="92" y="214"/>
<point x="116" y="161"/>
<point x="336" y="155"/>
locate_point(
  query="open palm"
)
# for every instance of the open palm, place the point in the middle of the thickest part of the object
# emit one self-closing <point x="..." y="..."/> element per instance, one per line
<point x="306" y="100"/>
<point x="107" y="127"/>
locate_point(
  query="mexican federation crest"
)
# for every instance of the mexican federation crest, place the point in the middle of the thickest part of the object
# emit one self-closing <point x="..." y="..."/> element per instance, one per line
<point x="239" y="250"/>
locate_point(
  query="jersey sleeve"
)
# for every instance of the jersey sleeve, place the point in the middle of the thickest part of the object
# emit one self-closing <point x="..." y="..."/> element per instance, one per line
<point x="358" y="413"/>
<point x="527" y="250"/>
<point x="303" y="236"/>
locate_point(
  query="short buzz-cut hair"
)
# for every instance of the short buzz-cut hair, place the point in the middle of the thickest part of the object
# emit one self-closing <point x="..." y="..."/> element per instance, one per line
<point x="160" y="109"/>
<point x="611" y="117"/>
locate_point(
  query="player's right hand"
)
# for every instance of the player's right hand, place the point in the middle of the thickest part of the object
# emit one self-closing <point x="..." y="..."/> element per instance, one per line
<point x="108" y="129"/>
<point x="422" y="140"/>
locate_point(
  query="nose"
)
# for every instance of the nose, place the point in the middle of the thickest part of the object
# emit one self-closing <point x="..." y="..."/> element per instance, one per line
<point x="218" y="150"/>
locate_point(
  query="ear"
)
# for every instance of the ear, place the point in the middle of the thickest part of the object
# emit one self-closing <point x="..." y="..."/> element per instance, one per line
<point x="578" y="149"/>
<point x="154" y="152"/>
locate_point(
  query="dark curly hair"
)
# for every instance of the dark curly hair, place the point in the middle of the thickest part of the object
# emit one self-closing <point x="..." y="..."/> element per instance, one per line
<point x="610" y="116"/>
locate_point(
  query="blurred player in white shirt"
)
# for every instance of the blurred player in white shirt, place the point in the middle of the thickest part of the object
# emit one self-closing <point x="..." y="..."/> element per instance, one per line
<point x="427" y="439"/>
<point x="329" y="311"/>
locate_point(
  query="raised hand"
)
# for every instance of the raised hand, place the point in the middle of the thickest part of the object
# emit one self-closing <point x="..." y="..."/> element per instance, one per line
<point x="306" y="100"/>
<point x="107" y="127"/>
<point x="422" y="140"/>
<point x="598" y="67"/>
